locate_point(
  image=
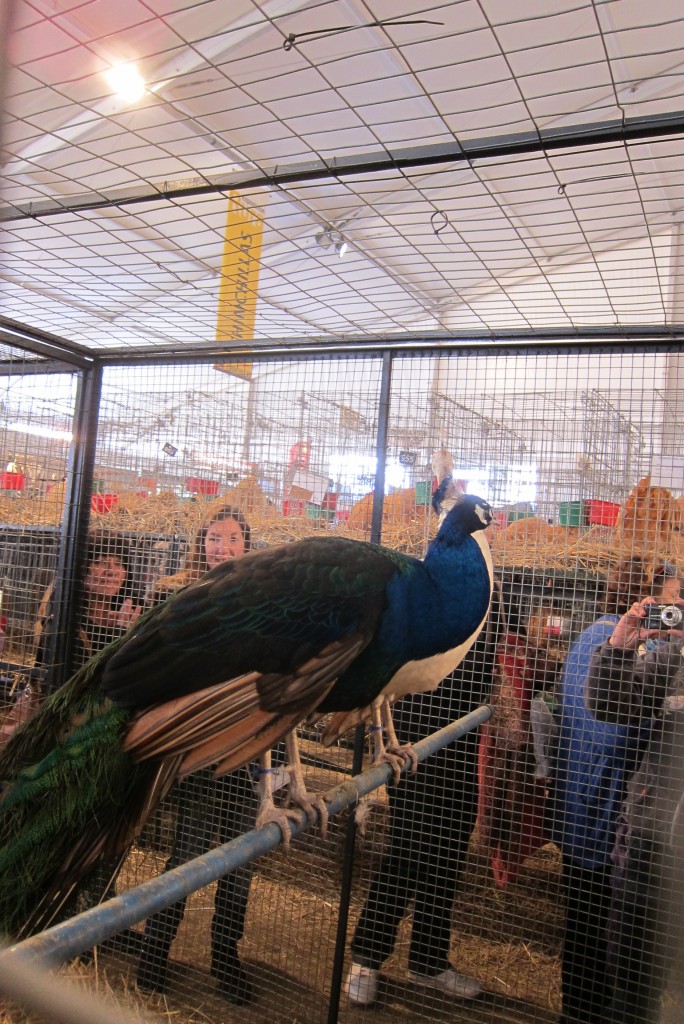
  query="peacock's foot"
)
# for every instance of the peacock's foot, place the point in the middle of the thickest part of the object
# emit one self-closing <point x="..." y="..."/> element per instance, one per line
<point x="399" y="757"/>
<point x="282" y="816"/>
<point x="298" y="800"/>
<point x="314" y="806"/>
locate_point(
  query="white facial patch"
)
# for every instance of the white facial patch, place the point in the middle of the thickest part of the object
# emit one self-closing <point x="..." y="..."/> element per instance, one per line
<point x="483" y="514"/>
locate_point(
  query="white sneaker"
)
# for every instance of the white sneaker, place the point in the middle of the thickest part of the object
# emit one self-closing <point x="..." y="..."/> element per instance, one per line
<point x="361" y="985"/>
<point x="450" y="982"/>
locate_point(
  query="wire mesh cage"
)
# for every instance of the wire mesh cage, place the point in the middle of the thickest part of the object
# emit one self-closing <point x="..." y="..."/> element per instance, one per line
<point x="580" y="473"/>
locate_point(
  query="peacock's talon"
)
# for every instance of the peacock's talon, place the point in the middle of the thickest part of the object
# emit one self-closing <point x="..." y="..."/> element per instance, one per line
<point x="313" y="806"/>
<point x="323" y="815"/>
<point x="409" y="756"/>
<point x="399" y="757"/>
<point x="396" y="763"/>
<point x="281" y="816"/>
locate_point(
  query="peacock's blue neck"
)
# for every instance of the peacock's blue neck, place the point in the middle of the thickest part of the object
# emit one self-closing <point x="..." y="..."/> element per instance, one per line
<point x="454" y="588"/>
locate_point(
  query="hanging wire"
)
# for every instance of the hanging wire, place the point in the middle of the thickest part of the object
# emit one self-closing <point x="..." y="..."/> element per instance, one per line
<point x="562" y="188"/>
<point x="435" y="218"/>
<point x="293" y="37"/>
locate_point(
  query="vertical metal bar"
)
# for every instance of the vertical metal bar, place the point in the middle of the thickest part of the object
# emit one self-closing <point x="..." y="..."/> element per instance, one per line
<point x="381" y="448"/>
<point x="74" y="530"/>
<point x="345" y="887"/>
<point x="360" y="734"/>
<point x="249" y="421"/>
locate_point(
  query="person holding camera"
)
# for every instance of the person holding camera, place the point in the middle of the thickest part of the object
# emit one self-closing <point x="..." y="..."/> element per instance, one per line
<point x="636" y="680"/>
<point x="595" y="759"/>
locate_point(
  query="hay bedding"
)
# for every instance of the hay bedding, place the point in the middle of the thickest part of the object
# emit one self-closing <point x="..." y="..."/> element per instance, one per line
<point x="650" y="523"/>
<point x="288" y="949"/>
<point x="508" y="939"/>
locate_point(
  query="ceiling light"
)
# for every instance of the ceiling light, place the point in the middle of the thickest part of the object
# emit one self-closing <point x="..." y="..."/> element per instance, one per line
<point x="127" y="82"/>
<point x="331" y="238"/>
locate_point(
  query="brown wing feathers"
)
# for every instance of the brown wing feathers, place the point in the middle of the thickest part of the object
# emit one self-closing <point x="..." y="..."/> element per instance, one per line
<point x="235" y="721"/>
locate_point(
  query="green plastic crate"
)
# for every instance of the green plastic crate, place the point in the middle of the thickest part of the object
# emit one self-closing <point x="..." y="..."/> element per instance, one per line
<point x="316" y="512"/>
<point x="518" y="513"/>
<point x="572" y="513"/>
<point x="423" y="492"/>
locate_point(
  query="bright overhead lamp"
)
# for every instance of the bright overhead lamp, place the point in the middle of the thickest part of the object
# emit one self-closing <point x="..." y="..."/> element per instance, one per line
<point x="126" y="81"/>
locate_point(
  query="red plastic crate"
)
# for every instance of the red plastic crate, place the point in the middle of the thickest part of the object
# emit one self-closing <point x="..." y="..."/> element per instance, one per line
<point x="12" y="481"/>
<point x="104" y="502"/>
<point x="602" y="513"/>
<point x="329" y="503"/>
<point x="209" y="488"/>
<point x="293" y="507"/>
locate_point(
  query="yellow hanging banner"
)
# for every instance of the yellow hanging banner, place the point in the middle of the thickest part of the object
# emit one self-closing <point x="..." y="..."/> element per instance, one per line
<point x="239" y="277"/>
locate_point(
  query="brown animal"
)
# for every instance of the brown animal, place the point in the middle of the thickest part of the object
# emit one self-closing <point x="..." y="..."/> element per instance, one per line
<point x="650" y="514"/>
<point x="397" y="507"/>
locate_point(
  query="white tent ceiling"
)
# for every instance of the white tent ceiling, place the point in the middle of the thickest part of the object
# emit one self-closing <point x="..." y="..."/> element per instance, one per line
<point x="450" y="144"/>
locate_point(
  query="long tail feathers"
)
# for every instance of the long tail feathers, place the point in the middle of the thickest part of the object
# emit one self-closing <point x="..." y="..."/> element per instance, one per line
<point x="61" y="812"/>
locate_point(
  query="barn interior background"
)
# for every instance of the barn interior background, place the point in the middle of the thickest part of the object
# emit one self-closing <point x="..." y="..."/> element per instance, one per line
<point x="308" y="247"/>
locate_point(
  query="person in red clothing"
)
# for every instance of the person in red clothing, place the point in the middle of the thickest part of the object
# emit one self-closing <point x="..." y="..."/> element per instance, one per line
<point x="513" y="758"/>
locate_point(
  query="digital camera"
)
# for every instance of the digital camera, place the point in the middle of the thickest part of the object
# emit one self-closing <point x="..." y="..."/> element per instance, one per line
<point x="663" y="616"/>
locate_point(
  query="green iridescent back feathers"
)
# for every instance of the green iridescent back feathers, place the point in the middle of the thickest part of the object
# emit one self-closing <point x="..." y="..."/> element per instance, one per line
<point x="42" y="810"/>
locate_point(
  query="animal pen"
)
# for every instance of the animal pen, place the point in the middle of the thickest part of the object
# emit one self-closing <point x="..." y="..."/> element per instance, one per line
<point x="330" y="257"/>
<point x="546" y="434"/>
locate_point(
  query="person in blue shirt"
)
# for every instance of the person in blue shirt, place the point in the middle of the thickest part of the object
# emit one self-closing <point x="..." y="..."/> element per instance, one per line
<point x="595" y="760"/>
<point x="639" y="677"/>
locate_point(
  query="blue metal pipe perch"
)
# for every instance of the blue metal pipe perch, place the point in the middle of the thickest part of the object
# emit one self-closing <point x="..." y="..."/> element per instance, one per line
<point x="66" y="940"/>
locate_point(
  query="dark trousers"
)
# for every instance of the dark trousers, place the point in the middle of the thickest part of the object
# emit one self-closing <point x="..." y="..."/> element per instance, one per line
<point x="586" y="983"/>
<point x="432" y="816"/>
<point x="641" y="932"/>
<point x="210" y="812"/>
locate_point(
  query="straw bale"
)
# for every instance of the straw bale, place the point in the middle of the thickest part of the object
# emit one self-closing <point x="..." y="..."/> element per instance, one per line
<point x="25" y="509"/>
<point x="157" y="513"/>
<point x="596" y="550"/>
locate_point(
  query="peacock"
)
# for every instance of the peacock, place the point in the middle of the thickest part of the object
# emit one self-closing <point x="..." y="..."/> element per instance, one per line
<point x="217" y="675"/>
